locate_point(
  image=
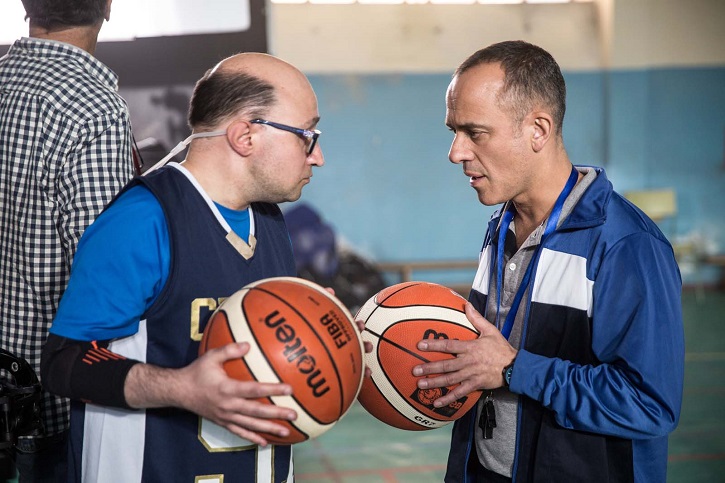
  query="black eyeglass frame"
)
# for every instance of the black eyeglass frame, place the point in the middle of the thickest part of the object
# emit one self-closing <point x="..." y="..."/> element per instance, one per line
<point x="310" y="135"/>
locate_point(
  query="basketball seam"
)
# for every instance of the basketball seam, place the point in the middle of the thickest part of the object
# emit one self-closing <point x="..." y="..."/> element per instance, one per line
<point x="329" y="354"/>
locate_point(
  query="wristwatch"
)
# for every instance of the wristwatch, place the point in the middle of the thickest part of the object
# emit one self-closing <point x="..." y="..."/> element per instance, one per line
<point x="506" y="373"/>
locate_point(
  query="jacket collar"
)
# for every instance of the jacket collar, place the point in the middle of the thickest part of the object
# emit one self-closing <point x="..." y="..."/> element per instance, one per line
<point x="590" y="210"/>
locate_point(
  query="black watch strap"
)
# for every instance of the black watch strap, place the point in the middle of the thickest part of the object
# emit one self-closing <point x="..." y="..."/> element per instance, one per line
<point x="506" y="373"/>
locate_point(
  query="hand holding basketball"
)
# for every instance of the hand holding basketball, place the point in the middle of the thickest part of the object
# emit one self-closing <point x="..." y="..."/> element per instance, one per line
<point x="396" y="319"/>
<point x="233" y="404"/>
<point x="477" y="364"/>
<point x="300" y="334"/>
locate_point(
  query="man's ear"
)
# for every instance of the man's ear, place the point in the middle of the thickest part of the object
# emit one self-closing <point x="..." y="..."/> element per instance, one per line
<point x="542" y="130"/>
<point x="239" y="135"/>
<point x="107" y="12"/>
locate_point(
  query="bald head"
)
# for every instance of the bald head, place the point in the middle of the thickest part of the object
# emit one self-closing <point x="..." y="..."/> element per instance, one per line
<point x="247" y="84"/>
<point x="267" y="67"/>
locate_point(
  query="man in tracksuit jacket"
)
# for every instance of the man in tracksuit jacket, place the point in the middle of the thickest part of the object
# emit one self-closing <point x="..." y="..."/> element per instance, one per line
<point x="581" y="354"/>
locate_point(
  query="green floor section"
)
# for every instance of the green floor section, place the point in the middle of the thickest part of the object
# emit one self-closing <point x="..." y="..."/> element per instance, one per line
<point x="697" y="447"/>
<point x="360" y="449"/>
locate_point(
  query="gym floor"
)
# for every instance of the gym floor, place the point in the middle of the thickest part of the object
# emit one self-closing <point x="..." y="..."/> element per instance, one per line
<point x="360" y="449"/>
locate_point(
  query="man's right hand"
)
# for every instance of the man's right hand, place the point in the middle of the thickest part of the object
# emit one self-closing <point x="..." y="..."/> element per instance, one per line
<point x="203" y="387"/>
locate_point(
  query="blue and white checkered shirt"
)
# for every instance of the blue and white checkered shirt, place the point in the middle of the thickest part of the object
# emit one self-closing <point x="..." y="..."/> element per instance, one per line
<point x="65" y="151"/>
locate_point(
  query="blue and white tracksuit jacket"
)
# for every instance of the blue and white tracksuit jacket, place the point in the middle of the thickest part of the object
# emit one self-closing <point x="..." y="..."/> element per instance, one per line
<point x="601" y="364"/>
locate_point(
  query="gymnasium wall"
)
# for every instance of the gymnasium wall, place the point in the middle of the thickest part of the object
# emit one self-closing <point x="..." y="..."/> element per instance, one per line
<point x="646" y="100"/>
<point x="388" y="187"/>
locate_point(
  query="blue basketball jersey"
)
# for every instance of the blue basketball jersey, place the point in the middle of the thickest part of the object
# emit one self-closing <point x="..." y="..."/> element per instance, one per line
<point x="209" y="262"/>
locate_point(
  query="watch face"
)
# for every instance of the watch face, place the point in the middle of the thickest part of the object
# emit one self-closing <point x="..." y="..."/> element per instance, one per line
<point x="507" y="375"/>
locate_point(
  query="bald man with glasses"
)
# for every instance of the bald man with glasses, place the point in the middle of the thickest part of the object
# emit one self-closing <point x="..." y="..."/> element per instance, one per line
<point x="150" y="271"/>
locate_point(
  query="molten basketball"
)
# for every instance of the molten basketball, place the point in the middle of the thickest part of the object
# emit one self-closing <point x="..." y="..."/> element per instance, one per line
<point x="300" y="335"/>
<point x="396" y="319"/>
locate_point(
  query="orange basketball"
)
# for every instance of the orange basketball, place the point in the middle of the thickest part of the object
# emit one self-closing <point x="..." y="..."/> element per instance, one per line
<point x="396" y="319"/>
<point x="300" y="335"/>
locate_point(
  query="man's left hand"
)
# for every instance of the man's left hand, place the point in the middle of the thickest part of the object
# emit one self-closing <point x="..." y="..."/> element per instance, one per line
<point x="477" y="364"/>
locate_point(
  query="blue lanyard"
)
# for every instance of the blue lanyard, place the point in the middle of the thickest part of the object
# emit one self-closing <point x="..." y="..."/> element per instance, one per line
<point x="503" y="229"/>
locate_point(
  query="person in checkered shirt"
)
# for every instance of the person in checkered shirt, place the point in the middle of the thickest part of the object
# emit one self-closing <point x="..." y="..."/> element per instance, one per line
<point x="65" y="151"/>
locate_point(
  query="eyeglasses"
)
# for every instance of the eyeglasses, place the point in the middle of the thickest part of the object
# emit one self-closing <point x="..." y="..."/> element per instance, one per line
<point x="309" y="135"/>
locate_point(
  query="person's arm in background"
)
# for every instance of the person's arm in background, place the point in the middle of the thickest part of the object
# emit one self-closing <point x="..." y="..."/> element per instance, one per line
<point x="99" y="165"/>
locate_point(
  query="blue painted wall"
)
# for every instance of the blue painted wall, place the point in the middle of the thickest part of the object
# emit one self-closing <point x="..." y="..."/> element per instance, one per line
<point x="389" y="190"/>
